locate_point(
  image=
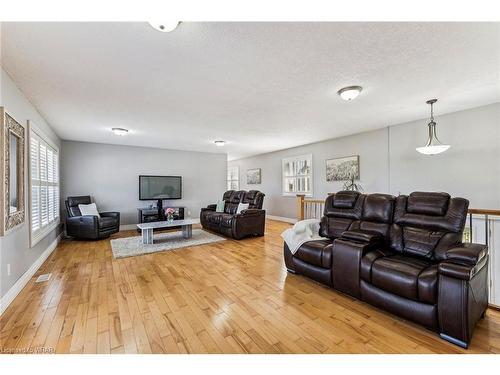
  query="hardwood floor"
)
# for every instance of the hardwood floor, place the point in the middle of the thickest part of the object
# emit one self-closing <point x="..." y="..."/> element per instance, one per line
<point x="226" y="297"/>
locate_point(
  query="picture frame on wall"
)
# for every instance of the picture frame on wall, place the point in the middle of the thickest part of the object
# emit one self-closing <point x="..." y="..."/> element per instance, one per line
<point x="342" y="169"/>
<point x="254" y="176"/>
<point x="12" y="140"/>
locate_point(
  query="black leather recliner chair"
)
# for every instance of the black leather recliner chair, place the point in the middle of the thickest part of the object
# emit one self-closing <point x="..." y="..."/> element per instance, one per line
<point x="404" y="255"/>
<point x="250" y="222"/>
<point x="89" y="227"/>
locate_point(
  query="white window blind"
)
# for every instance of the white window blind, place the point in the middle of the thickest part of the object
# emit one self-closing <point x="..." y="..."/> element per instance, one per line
<point x="44" y="170"/>
<point x="233" y="178"/>
<point x="297" y="175"/>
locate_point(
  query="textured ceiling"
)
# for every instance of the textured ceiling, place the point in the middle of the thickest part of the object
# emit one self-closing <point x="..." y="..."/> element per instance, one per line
<point x="259" y="86"/>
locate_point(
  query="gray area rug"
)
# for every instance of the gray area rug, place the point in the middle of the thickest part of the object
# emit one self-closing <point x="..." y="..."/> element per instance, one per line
<point x="132" y="246"/>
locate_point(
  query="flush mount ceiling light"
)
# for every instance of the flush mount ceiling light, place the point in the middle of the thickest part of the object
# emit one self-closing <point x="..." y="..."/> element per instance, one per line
<point x="350" y="92"/>
<point x="433" y="146"/>
<point x="165" y="27"/>
<point x="220" y="143"/>
<point x="119" y="131"/>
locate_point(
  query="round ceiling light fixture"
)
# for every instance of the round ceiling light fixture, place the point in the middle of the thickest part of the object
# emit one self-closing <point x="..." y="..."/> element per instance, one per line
<point x="119" y="131"/>
<point x="220" y="143"/>
<point x="350" y="92"/>
<point x="164" y="27"/>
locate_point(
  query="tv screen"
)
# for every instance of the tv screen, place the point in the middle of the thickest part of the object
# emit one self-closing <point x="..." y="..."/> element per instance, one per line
<point x="160" y="187"/>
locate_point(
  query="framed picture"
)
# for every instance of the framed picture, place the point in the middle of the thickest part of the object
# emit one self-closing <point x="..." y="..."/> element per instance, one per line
<point x="253" y="176"/>
<point x="12" y="141"/>
<point x="342" y="169"/>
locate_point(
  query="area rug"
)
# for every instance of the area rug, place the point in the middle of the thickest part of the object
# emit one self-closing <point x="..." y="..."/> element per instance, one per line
<point x="132" y="246"/>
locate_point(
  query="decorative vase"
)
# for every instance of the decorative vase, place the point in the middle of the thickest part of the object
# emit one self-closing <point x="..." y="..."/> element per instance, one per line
<point x="170" y="218"/>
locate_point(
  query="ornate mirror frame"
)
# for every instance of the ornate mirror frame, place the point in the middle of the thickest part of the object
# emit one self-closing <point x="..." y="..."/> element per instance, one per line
<point x="10" y="126"/>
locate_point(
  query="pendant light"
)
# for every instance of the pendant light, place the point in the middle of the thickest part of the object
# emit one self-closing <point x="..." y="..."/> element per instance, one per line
<point x="433" y="146"/>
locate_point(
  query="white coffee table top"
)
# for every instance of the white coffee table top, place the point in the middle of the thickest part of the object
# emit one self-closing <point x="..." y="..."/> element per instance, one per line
<point x="166" y="224"/>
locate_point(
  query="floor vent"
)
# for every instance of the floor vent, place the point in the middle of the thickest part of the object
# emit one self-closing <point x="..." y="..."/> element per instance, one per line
<point x="42" y="278"/>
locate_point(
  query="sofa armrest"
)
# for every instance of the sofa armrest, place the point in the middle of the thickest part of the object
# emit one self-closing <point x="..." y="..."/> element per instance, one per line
<point x="251" y="212"/>
<point x="210" y="207"/>
<point x="461" y="271"/>
<point x="467" y="253"/>
<point x="365" y="236"/>
<point x="85" y="220"/>
<point x="110" y="214"/>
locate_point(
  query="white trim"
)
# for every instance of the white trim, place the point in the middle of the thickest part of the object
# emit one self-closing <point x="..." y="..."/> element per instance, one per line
<point x="7" y="299"/>
<point x="43" y="232"/>
<point x="281" y="218"/>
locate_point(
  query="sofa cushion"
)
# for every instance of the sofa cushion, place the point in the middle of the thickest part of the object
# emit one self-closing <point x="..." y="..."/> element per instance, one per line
<point x="345" y="199"/>
<point x="107" y="222"/>
<point x="428" y="203"/>
<point x="378" y="208"/>
<point x="406" y="277"/>
<point x="226" y="220"/>
<point x="215" y="218"/>
<point x="317" y="253"/>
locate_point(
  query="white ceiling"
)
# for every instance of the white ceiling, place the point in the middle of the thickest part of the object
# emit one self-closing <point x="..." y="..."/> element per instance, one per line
<point x="259" y="86"/>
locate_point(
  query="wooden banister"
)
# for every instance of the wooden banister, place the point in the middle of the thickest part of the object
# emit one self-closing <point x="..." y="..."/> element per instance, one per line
<point x="484" y="211"/>
<point x="300" y="206"/>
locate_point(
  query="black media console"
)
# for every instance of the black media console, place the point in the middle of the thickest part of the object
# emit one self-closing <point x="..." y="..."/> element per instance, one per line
<point x="148" y="214"/>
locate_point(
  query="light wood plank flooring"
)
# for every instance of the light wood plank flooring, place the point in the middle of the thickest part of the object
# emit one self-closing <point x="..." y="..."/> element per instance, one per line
<point x="227" y="297"/>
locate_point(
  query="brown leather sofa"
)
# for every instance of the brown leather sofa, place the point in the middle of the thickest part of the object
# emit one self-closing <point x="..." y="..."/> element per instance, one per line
<point x="250" y="222"/>
<point x="403" y="254"/>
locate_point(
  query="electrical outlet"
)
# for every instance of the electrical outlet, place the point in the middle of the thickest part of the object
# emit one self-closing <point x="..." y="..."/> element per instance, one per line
<point x="8" y="269"/>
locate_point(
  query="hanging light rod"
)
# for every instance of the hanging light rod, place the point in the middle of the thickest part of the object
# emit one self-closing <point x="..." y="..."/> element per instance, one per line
<point x="434" y="145"/>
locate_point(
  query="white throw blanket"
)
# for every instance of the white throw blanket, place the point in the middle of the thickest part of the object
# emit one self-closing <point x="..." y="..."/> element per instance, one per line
<point x="303" y="231"/>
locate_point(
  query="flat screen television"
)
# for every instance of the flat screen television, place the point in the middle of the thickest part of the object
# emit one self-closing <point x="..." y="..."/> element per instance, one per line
<point x="160" y="187"/>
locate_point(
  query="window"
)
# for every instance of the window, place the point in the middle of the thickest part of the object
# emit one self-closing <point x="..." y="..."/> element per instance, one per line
<point x="44" y="172"/>
<point x="233" y="178"/>
<point x="297" y="175"/>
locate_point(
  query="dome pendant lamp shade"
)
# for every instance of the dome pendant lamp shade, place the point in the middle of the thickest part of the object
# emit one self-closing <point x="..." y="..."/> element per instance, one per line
<point x="434" y="145"/>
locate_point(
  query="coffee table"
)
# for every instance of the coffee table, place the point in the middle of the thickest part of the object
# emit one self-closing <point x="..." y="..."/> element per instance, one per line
<point x="147" y="228"/>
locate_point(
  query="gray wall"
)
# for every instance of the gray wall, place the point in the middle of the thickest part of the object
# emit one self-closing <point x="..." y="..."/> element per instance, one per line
<point x="389" y="162"/>
<point x="109" y="173"/>
<point x="470" y="168"/>
<point x="15" y="247"/>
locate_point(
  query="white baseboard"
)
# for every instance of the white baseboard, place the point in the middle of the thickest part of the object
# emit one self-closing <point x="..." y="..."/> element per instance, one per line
<point x="7" y="299"/>
<point x="281" y="218"/>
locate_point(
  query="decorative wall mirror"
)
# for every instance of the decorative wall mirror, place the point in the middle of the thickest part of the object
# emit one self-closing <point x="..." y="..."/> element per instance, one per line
<point x="12" y="139"/>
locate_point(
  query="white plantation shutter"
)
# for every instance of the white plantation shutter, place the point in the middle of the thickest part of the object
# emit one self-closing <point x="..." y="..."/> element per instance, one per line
<point x="44" y="165"/>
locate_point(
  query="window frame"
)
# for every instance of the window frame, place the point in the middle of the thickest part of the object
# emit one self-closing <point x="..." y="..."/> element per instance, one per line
<point x="36" y="237"/>
<point x="237" y="168"/>
<point x="284" y="161"/>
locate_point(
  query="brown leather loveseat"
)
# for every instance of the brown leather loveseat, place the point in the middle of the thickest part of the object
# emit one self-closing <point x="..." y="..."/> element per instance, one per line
<point x="250" y="222"/>
<point x="403" y="254"/>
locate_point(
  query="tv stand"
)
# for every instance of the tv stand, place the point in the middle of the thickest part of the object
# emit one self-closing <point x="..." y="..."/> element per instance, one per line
<point x="159" y="205"/>
<point x="149" y="215"/>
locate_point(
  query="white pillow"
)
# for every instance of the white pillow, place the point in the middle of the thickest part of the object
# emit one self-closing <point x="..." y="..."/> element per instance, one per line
<point x="241" y="207"/>
<point x="88" y="209"/>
